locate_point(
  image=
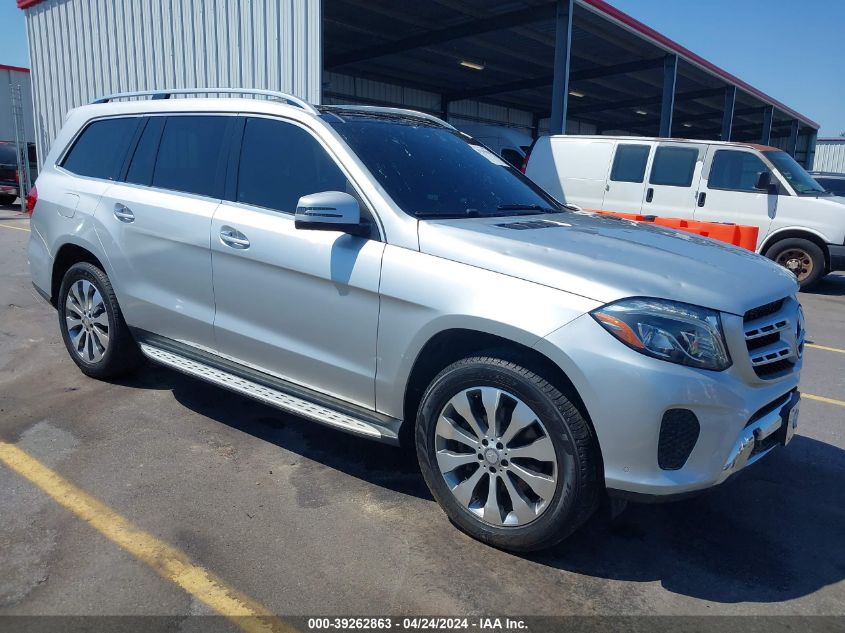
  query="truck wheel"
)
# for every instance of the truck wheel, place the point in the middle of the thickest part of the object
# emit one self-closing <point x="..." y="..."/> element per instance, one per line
<point x="509" y="458"/>
<point x="801" y="257"/>
<point x="95" y="334"/>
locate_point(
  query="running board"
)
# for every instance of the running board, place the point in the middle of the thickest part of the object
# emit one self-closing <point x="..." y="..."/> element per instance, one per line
<point x="270" y="395"/>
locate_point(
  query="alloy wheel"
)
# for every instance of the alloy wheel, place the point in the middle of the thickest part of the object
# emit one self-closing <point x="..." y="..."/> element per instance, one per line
<point x="87" y="321"/>
<point x="496" y="456"/>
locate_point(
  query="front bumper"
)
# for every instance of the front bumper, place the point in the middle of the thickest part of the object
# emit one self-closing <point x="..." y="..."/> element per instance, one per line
<point x="8" y="190"/>
<point x="626" y="395"/>
<point x="837" y="257"/>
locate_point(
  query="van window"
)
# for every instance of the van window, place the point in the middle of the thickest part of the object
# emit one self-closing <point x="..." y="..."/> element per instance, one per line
<point x="629" y="163"/>
<point x="673" y="166"/>
<point x="190" y="155"/>
<point x="735" y="170"/>
<point x="143" y="160"/>
<point x="100" y="149"/>
<point x="280" y="163"/>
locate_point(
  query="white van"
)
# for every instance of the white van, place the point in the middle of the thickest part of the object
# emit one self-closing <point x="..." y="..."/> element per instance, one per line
<point x="510" y="143"/>
<point x="800" y="226"/>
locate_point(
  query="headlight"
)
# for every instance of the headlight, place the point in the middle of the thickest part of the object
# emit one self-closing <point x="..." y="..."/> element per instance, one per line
<point x="676" y="332"/>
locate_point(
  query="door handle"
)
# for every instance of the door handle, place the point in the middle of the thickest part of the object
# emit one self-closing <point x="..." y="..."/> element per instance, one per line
<point x="649" y="194"/>
<point x="123" y="213"/>
<point x="701" y="198"/>
<point x="234" y="238"/>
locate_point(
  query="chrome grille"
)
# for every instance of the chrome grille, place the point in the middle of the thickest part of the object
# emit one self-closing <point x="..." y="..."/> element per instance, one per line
<point x="772" y="337"/>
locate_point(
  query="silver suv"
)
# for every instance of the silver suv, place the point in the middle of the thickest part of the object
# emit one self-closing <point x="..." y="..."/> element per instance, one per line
<point x="377" y="271"/>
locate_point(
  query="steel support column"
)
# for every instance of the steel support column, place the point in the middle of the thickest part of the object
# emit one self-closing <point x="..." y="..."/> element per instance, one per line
<point x="811" y="149"/>
<point x="728" y="113"/>
<point x="766" y="134"/>
<point x="560" y="82"/>
<point x="792" y="142"/>
<point x="670" y="73"/>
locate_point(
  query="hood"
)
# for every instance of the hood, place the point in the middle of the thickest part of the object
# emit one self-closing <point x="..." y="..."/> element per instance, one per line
<point x="606" y="258"/>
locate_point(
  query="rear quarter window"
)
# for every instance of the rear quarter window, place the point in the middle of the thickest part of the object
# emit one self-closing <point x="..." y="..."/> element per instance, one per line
<point x="99" y="150"/>
<point x="629" y="163"/>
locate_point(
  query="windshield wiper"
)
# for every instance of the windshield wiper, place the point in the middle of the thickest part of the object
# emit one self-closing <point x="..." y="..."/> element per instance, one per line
<point x="451" y="215"/>
<point x="516" y="206"/>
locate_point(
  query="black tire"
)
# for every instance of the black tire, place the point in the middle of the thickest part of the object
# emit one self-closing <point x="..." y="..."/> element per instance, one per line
<point x="802" y="257"/>
<point x="579" y="481"/>
<point x="6" y="200"/>
<point x="122" y="354"/>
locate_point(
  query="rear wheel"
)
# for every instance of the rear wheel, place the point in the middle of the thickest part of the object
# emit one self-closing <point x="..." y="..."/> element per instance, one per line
<point x="95" y="334"/>
<point x="801" y="257"/>
<point x="508" y="457"/>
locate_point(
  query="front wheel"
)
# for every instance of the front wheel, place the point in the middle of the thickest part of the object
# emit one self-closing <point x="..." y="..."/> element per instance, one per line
<point x="509" y="458"/>
<point x="801" y="257"/>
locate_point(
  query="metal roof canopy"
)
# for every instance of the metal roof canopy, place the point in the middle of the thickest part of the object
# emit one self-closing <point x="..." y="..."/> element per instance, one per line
<point x="617" y="64"/>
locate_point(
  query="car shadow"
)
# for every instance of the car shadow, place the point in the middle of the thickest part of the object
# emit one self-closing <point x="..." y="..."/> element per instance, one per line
<point x="771" y="533"/>
<point x="832" y="285"/>
<point x="375" y="462"/>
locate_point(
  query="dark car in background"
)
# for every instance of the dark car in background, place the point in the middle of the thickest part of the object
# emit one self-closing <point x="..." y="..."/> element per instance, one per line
<point x="831" y="181"/>
<point x="9" y="177"/>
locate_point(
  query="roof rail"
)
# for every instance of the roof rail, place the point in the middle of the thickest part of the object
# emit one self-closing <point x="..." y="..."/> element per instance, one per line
<point x="401" y="111"/>
<point x="167" y="93"/>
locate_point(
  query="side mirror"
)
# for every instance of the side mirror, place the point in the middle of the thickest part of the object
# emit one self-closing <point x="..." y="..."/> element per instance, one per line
<point x="329" y="211"/>
<point x="764" y="179"/>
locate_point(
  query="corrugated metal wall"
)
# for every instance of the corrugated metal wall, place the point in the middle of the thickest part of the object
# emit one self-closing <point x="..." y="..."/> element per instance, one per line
<point x="830" y="155"/>
<point x="82" y="49"/>
<point x="9" y="78"/>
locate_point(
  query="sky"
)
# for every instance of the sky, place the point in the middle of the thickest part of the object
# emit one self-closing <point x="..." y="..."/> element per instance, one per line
<point x="792" y="51"/>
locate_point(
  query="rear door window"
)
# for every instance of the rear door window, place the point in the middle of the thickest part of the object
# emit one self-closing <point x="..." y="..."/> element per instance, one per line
<point x="673" y="166"/>
<point x="143" y="160"/>
<point x="281" y="162"/>
<point x="191" y="156"/>
<point x="101" y="148"/>
<point x="629" y="163"/>
<point x="735" y="170"/>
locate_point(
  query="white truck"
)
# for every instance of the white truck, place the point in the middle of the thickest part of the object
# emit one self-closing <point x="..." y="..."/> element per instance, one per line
<point x="801" y="227"/>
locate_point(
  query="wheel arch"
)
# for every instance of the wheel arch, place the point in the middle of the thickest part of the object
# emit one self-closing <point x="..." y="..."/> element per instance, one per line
<point x="447" y="346"/>
<point x="801" y="233"/>
<point x="69" y="254"/>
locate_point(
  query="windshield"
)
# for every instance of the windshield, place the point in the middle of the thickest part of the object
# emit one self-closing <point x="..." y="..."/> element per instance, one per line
<point x="435" y="172"/>
<point x="796" y="175"/>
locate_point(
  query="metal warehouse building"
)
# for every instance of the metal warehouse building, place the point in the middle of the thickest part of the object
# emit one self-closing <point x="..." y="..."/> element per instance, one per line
<point x="830" y="155"/>
<point x="576" y="65"/>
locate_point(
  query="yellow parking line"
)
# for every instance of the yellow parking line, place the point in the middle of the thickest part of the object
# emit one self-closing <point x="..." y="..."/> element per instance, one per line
<point x="810" y="396"/>
<point x="825" y="348"/>
<point x="14" y="228"/>
<point x="166" y="560"/>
